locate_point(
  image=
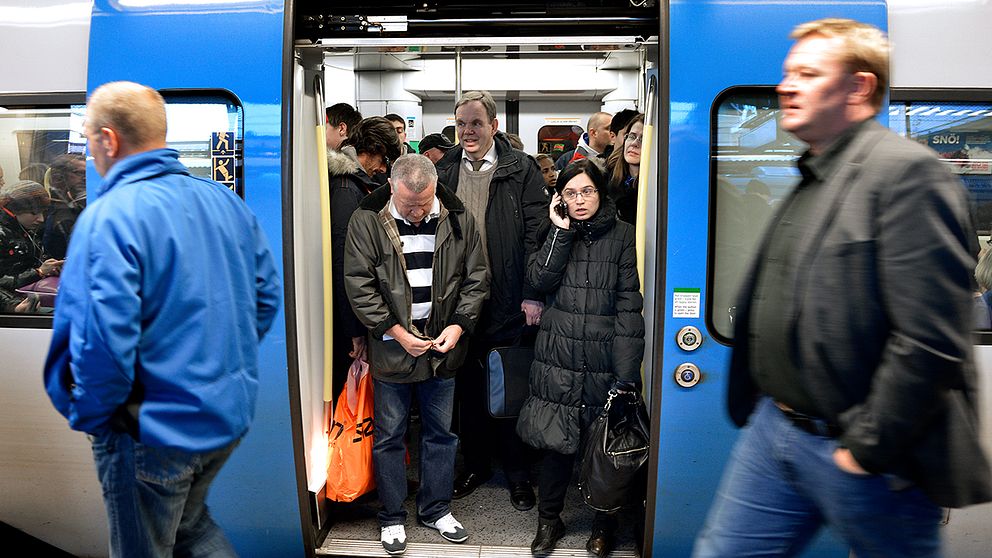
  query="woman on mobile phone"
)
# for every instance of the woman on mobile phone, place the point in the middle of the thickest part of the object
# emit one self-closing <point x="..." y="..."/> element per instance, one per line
<point x="591" y="336"/>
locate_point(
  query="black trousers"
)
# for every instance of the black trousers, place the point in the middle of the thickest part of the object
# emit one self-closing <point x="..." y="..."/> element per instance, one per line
<point x="552" y="484"/>
<point x="484" y="438"/>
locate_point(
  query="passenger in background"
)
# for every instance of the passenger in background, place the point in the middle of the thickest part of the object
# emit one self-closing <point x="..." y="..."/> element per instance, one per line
<point x="619" y="122"/>
<point x="434" y="146"/>
<point x="591" y="337"/>
<point x="399" y="123"/>
<point x="341" y="120"/>
<point x="67" y="185"/>
<point x="515" y="141"/>
<point x="416" y="239"/>
<point x="503" y="189"/>
<point x="592" y="143"/>
<point x="2" y="181"/>
<point x="548" y="171"/>
<point x="624" y="166"/>
<point x="367" y="152"/>
<point x="34" y="172"/>
<point x="22" y="261"/>
<point x="168" y="287"/>
<point x="983" y="299"/>
<point x="853" y="363"/>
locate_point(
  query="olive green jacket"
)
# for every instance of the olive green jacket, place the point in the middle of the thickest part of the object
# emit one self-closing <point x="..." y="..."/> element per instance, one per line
<point x="377" y="286"/>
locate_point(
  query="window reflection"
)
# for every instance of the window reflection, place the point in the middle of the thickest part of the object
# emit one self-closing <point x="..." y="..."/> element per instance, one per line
<point x="754" y="168"/>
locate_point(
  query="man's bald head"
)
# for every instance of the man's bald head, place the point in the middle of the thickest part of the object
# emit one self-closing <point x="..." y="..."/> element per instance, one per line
<point x="123" y="118"/>
<point x="598" y="128"/>
<point x="135" y="111"/>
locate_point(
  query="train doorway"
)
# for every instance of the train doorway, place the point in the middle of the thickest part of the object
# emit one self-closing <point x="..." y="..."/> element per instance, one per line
<point x="547" y="81"/>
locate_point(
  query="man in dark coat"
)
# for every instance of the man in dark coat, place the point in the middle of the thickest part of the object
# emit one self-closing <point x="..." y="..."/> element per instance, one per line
<point x="852" y="363"/>
<point x="503" y="189"/>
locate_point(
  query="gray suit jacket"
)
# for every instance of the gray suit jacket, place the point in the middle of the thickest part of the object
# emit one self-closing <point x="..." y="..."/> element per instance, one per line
<point x="880" y="310"/>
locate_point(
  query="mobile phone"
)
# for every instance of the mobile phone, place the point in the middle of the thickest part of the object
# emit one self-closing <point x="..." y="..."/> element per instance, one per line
<point x="562" y="210"/>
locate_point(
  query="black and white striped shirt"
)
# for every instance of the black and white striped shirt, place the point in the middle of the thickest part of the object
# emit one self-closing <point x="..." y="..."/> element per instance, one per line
<point x="418" y="251"/>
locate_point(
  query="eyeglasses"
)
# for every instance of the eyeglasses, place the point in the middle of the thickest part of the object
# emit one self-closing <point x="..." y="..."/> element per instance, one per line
<point x="631" y="137"/>
<point x="587" y="192"/>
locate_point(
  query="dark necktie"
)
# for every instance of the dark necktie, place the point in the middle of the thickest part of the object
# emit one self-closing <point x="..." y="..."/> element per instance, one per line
<point x="476" y="165"/>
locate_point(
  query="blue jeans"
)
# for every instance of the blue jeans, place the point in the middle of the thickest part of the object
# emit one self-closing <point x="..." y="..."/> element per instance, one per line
<point x="156" y="498"/>
<point x="437" y="447"/>
<point x="781" y="485"/>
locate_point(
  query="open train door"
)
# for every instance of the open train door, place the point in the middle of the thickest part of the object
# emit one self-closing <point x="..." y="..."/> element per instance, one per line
<point x="717" y="143"/>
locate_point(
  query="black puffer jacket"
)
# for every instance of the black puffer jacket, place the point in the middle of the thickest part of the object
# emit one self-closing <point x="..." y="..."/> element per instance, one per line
<point x="349" y="184"/>
<point x="20" y="254"/>
<point x="592" y="330"/>
<point x="516" y="219"/>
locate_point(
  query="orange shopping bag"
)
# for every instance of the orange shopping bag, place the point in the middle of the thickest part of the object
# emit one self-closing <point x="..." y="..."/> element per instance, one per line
<point x="349" y="463"/>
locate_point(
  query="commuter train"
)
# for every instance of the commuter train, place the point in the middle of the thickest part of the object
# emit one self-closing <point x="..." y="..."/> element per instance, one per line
<point x="258" y="73"/>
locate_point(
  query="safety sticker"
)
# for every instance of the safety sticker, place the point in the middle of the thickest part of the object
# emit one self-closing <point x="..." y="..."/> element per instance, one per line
<point x="685" y="303"/>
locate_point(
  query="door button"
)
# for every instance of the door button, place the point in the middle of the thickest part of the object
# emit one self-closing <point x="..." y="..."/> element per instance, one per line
<point x="689" y="338"/>
<point x="687" y="375"/>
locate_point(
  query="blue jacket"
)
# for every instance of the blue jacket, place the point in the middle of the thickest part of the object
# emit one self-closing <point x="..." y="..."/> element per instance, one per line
<point x="168" y="286"/>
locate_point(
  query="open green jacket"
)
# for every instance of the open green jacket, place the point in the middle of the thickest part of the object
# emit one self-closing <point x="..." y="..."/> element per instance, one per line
<point x="377" y="286"/>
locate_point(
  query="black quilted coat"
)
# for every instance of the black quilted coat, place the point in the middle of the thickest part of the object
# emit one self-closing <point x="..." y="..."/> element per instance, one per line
<point x="592" y="331"/>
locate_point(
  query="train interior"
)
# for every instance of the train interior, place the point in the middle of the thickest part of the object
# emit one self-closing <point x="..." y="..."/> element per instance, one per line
<point x="546" y="87"/>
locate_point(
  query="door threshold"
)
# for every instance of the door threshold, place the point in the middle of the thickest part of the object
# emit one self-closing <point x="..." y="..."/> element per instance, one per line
<point x="345" y="547"/>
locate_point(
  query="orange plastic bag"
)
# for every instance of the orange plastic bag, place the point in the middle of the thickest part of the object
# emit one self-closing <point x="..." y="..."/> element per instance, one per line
<point x="349" y="453"/>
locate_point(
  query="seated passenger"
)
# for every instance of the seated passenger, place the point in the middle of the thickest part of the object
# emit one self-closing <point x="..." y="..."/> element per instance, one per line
<point x="624" y="165"/>
<point x="67" y="187"/>
<point x="22" y="212"/>
<point x="591" y="337"/>
<point x="983" y="299"/>
<point x="368" y="150"/>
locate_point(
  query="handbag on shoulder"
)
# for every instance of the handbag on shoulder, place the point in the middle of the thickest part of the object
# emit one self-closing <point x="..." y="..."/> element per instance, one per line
<point x="613" y="473"/>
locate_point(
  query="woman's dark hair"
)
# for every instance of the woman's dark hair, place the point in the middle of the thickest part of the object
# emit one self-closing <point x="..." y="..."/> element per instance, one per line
<point x="588" y="167"/>
<point x="375" y="136"/>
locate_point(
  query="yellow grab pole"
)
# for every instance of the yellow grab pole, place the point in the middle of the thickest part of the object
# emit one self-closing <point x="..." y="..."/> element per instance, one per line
<point x="643" y="175"/>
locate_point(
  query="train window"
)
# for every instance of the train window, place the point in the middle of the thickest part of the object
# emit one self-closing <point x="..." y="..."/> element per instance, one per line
<point x="961" y="134"/>
<point x="555" y="139"/>
<point x="43" y="182"/>
<point x="753" y="168"/>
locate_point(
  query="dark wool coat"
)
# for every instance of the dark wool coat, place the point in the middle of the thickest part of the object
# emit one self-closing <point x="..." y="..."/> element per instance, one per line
<point x="592" y="331"/>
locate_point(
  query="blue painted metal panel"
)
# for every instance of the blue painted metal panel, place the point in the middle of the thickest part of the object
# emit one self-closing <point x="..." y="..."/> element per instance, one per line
<point x="235" y="46"/>
<point x="715" y="44"/>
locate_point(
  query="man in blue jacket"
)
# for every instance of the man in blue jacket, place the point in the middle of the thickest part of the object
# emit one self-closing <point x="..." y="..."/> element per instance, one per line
<point x="168" y="286"/>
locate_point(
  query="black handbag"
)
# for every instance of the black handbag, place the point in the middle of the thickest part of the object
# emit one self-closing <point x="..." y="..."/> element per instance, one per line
<point x="508" y="377"/>
<point x="613" y="473"/>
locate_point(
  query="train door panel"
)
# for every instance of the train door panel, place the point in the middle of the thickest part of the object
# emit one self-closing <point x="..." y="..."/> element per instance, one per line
<point x="713" y="46"/>
<point x="255" y="499"/>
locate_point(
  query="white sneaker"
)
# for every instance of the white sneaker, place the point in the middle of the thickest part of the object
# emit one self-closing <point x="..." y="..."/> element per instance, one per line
<point x="449" y="527"/>
<point x="393" y="539"/>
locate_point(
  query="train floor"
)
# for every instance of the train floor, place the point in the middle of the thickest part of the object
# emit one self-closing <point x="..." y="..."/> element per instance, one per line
<point x="495" y="528"/>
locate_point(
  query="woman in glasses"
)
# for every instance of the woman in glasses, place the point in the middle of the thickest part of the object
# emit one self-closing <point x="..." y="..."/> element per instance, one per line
<point x="624" y="165"/>
<point x="591" y="337"/>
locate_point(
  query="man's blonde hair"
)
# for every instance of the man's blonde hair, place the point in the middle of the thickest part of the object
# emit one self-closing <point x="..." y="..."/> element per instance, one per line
<point x="136" y="112"/>
<point x="866" y="48"/>
<point x="483" y="97"/>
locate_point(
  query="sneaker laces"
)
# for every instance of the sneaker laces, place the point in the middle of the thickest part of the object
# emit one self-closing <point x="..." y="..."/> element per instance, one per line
<point x="448" y="524"/>
<point x="393" y="533"/>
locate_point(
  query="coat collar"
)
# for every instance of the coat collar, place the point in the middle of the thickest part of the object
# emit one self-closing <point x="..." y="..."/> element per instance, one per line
<point x="601" y="223"/>
<point x="507" y="158"/>
<point x="142" y="166"/>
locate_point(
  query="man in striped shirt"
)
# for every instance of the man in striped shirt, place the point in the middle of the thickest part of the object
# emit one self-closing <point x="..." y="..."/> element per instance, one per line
<point x="416" y="277"/>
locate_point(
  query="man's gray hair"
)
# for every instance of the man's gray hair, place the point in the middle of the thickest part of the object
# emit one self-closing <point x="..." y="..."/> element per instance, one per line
<point x="483" y="97"/>
<point x="983" y="271"/>
<point x="416" y="172"/>
<point x="136" y="112"/>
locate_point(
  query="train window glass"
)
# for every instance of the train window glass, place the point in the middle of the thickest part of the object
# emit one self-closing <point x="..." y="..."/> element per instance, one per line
<point x="753" y="167"/>
<point x="43" y="182"/>
<point x="961" y="134"/>
<point x="43" y="178"/>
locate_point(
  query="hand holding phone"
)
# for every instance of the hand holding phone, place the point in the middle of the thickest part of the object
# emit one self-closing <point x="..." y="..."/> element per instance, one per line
<point x="559" y="211"/>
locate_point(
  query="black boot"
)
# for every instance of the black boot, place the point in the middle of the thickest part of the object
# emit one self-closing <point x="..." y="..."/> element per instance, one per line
<point x="604" y="529"/>
<point x="548" y="533"/>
